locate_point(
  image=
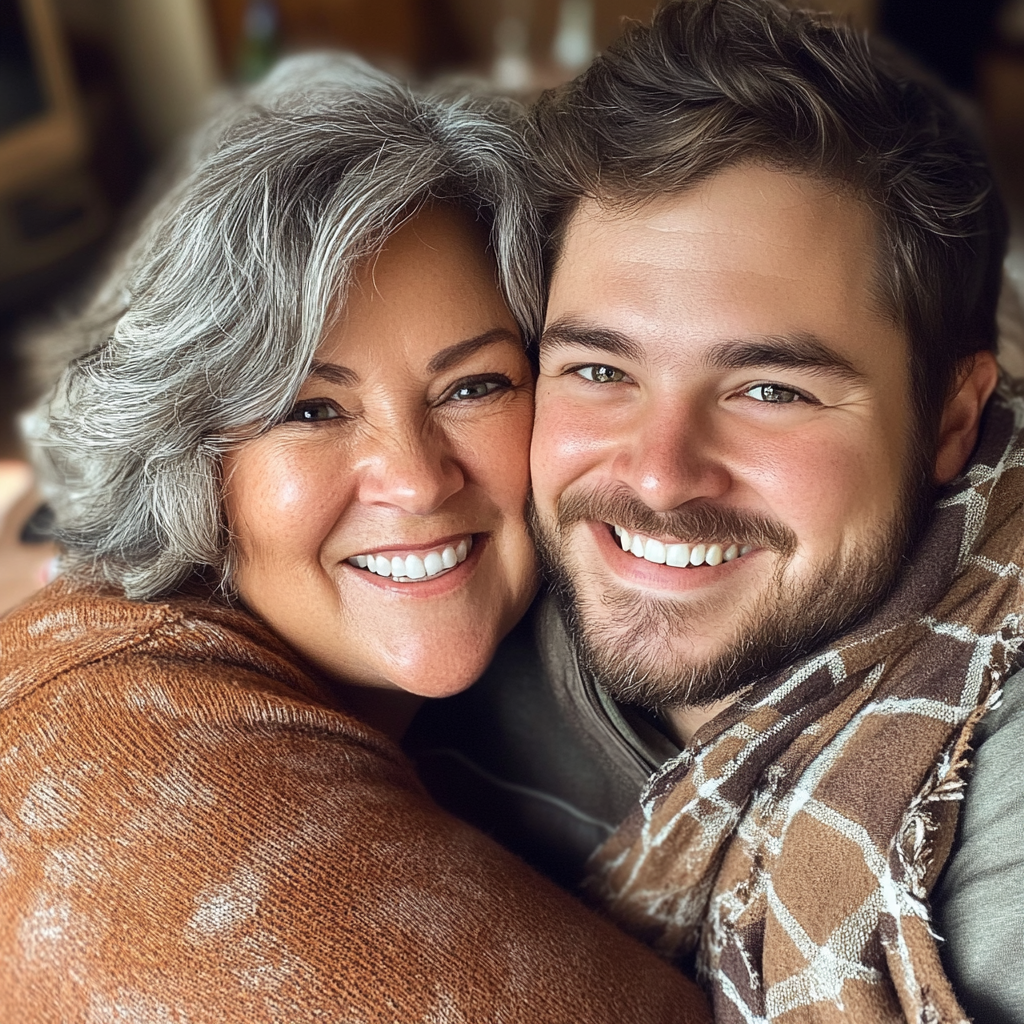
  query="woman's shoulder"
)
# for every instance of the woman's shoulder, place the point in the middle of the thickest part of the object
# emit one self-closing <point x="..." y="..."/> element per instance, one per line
<point x="108" y="704"/>
<point x="86" y="657"/>
<point x="259" y="851"/>
<point x="76" y="620"/>
<point x="71" y="626"/>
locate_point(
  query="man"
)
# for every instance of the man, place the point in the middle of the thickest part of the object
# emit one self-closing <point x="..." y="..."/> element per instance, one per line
<point x="781" y="513"/>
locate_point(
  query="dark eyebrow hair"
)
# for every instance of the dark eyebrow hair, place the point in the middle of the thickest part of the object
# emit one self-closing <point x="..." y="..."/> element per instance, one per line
<point x="454" y="354"/>
<point x="801" y="351"/>
<point x="569" y="332"/>
<point x="787" y="351"/>
<point x="334" y="373"/>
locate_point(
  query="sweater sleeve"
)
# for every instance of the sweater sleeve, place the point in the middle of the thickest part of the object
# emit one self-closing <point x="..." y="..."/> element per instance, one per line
<point x="978" y="904"/>
<point x="183" y="845"/>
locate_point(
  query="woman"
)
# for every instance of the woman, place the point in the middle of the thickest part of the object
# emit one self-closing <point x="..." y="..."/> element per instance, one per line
<point x="289" y="471"/>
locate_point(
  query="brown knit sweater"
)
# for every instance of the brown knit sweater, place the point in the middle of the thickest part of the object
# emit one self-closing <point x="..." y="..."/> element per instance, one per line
<point x="192" y="830"/>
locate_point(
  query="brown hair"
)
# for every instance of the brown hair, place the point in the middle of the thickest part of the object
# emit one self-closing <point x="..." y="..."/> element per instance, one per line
<point x="711" y="83"/>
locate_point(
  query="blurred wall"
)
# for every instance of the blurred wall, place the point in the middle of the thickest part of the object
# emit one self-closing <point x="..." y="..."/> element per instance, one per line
<point x="169" y="62"/>
<point x="425" y="36"/>
<point x="166" y="61"/>
<point x="404" y="35"/>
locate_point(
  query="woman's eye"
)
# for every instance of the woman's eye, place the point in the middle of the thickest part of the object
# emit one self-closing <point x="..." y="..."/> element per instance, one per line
<point x="478" y="388"/>
<point x="775" y="394"/>
<point x="314" y="411"/>
<point x="601" y="374"/>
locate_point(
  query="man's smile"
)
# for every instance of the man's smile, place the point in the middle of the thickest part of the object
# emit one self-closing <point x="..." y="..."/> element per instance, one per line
<point x="679" y="554"/>
<point x="656" y="574"/>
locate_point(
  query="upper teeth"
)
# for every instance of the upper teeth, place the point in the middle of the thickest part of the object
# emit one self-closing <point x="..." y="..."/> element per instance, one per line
<point x="409" y="568"/>
<point x="678" y="554"/>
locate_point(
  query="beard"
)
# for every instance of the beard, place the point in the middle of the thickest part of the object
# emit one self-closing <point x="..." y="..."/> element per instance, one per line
<point x="627" y="640"/>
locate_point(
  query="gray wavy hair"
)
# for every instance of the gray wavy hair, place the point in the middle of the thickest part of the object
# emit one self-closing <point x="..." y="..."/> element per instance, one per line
<point x="207" y="325"/>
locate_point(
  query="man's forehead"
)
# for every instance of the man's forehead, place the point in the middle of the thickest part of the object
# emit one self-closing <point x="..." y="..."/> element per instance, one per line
<point x="751" y="253"/>
<point x="744" y="202"/>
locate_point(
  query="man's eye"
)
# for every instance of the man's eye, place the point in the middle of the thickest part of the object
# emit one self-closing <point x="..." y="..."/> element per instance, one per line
<point x="601" y="374"/>
<point x="775" y="394"/>
<point x="314" y="411"/>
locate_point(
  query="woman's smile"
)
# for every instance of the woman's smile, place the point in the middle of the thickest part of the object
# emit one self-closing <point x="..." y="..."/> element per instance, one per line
<point x="409" y="564"/>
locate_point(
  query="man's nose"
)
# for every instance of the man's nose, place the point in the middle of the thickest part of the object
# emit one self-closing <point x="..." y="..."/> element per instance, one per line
<point x="672" y="454"/>
<point x="416" y="471"/>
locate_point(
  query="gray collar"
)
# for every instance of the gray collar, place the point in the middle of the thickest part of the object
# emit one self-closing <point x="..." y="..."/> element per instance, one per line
<point x="628" y="739"/>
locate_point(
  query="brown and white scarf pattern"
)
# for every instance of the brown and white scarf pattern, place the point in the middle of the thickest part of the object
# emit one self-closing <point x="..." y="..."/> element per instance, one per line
<point x="793" y="846"/>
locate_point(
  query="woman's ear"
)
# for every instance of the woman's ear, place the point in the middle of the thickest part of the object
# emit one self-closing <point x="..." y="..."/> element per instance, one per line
<point x="958" y="429"/>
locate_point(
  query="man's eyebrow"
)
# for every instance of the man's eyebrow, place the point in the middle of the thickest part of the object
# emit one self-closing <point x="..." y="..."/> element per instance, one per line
<point x="786" y="351"/>
<point x="568" y="333"/>
<point x="455" y="354"/>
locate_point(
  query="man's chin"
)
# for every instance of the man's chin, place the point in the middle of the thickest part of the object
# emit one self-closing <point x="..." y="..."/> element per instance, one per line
<point x="636" y="645"/>
<point x="642" y="654"/>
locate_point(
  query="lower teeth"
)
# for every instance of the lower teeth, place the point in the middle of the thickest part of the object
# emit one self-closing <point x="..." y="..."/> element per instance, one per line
<point x="421" y="579"/>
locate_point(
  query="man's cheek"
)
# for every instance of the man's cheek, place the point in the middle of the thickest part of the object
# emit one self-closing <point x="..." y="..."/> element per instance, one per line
<point x="816" y="487"/>
<point x="568" y="440"/>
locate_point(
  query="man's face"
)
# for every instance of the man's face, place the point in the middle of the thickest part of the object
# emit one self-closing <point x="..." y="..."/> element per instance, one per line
<point x="719" y="390"/>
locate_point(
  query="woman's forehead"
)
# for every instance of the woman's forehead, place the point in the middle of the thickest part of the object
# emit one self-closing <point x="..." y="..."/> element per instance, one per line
<point x="433" y="285"/>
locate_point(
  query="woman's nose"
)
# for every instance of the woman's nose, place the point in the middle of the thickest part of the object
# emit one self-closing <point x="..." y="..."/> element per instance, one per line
<point x="416" y="473"/>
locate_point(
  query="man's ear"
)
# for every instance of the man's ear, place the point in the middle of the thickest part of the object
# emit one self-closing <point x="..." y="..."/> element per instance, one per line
<point x="958" y="430"/>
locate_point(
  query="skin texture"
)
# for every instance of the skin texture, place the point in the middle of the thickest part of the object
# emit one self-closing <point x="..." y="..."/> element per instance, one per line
<point x="694" y="303"/>
<point x="387" y="452"/>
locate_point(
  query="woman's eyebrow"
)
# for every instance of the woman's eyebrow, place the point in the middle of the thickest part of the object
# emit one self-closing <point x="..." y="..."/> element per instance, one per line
<point x="443" y="360"/>
<point x="455" y="354"/>
<point x="334" y="373"/>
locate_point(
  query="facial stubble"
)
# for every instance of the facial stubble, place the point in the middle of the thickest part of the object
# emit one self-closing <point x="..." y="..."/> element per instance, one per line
<point x="628" y="640"/>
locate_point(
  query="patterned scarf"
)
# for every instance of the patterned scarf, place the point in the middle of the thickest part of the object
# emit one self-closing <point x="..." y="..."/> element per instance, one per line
<point x="792" y="847"/>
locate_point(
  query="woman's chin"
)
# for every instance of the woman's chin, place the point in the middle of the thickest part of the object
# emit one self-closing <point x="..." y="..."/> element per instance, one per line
<point x="444" y="679"/>
<point x="433" y="649"/>
<point x="432" y="663"/>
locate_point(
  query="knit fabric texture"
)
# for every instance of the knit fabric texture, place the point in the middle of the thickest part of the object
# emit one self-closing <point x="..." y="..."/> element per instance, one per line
<point x="794" y="844"/>
<point x="192" y="829"/>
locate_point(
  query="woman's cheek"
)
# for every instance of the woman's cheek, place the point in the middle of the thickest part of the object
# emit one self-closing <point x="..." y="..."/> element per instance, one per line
<point x="280" y="497"/>
<point x="497" y="449"/>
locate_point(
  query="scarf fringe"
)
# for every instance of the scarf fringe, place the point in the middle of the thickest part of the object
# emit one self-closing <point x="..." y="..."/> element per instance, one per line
<point x="914" y="848"/>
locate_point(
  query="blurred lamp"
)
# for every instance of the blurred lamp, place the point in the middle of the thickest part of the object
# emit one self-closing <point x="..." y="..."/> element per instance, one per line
<point x="574" y="40"/>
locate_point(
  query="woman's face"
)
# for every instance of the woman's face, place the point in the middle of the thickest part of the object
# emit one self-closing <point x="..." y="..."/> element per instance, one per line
<point x="407" y="451"/>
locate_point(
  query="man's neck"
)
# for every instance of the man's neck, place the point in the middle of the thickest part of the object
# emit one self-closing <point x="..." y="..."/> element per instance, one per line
<point x="684" y="721"/>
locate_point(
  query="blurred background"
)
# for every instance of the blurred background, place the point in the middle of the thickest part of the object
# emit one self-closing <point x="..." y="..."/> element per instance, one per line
<point x="94" y="94"/>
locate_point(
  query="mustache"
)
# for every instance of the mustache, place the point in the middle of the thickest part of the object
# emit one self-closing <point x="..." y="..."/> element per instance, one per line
<point x="697" y="520"/>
